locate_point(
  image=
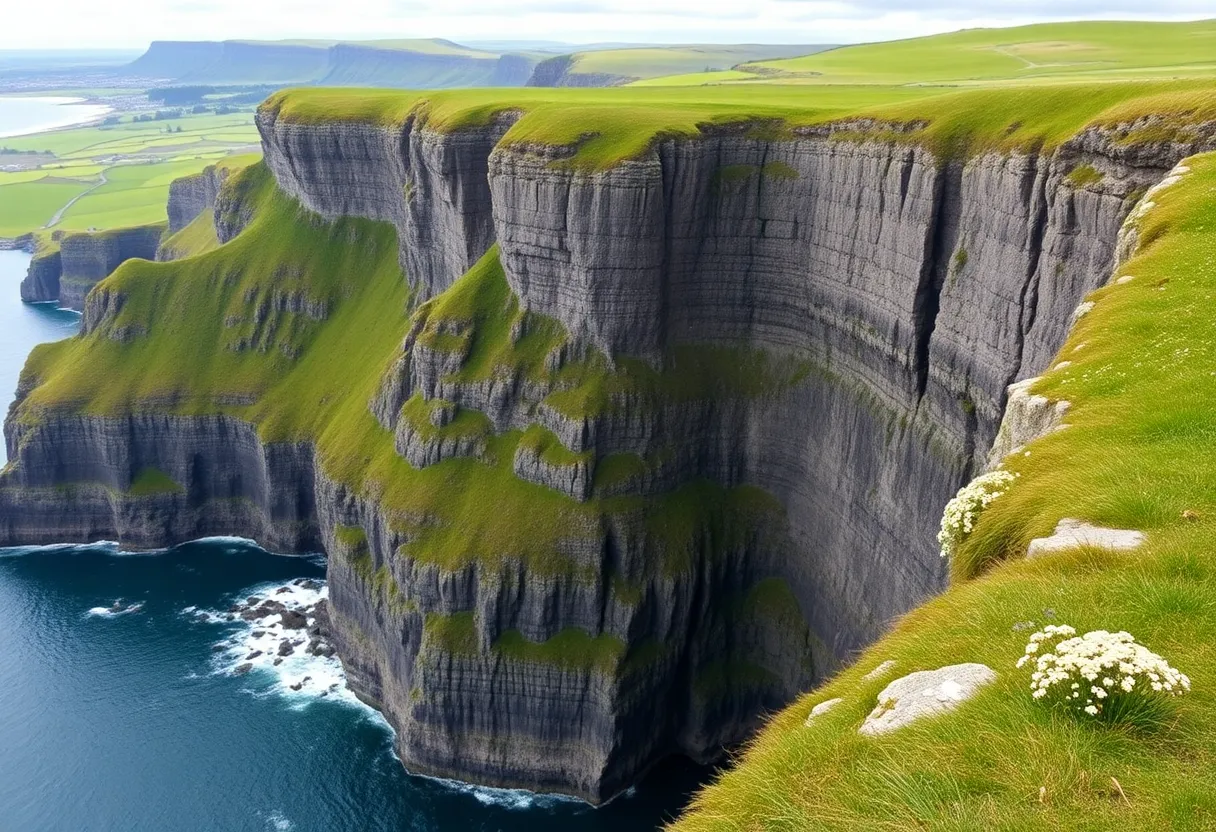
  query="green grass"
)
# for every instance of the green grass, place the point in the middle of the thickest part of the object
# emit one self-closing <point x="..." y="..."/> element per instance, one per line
<point x="1084" y="175"/>
<point x="464" y="423"/>
<point x="570" y="649"/>
<point x="152" y="481"/>
<point x="29" y="206"/>
<point x="606" y="126"/>
<point x="1125" y="461"/>
<point x="199" y="237"/>
<point x="455" y="634"/>
<point x="545" y="444"/>
<point x="1083" y="50"/>
<point x="138" y="159"/>
<point x="133" y="195"/>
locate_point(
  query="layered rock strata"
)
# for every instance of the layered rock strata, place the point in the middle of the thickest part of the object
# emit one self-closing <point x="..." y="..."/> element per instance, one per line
<point x="81" y="261"/>
<point x="824" y="327"/>
<point x="190" y="196"/>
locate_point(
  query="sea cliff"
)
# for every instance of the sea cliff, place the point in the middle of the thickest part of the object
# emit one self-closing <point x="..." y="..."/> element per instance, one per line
<point x="68" y="269"/>
<point x="608" y="461"/>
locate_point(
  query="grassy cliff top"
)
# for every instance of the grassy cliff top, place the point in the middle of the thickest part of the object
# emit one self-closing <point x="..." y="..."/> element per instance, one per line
<point x="1127" y="460"/>
<point x="610" y="125"/>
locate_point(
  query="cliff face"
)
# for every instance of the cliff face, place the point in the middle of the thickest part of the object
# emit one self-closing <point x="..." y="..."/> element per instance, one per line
<point x="41" y="282"/>
<point x="752" y="371"/>
<point x="84" y="260"/>
<point x="559" y="72"/>
<point x="432" y="187"/>
<point x="190" y="196"/>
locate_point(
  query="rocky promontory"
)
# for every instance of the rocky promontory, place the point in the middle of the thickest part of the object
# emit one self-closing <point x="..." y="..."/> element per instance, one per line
<point x="67" y="270"/>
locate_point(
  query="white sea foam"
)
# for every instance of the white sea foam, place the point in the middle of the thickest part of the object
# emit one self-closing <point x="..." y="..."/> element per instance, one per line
<point x="318" y="677"/>
<point x="507" y="798"/>
<point x="279" y="822"/>
<point x="227" y="538"/>
<point x="300" y="678"/>
<point x="114" y="611"/>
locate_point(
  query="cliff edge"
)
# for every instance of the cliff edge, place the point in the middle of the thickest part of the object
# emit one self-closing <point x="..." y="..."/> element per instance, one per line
<point x="610" y="455"/>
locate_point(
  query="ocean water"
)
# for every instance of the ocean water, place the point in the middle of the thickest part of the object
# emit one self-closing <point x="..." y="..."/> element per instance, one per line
<point x="136" y="719"/>
<point x="23" y="325"/>
<point x="21" y="116"/>
<point x="121" y="707"/>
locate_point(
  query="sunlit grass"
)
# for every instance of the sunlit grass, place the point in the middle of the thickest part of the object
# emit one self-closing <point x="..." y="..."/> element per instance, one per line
<point x="1139" y="452"/>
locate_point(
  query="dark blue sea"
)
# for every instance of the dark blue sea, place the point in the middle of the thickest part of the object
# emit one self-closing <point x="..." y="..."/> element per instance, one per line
<point x="121" y="708"/>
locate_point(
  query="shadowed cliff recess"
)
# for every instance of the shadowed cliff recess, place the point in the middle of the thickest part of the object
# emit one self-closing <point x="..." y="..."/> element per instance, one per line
<point x="623" y="416"/>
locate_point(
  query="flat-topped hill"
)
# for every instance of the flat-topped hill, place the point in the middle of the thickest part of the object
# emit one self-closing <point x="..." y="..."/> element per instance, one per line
<point x="417" y="63"/>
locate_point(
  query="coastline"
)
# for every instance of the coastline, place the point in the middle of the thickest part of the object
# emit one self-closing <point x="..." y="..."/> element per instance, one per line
<point x="87" y="113"/>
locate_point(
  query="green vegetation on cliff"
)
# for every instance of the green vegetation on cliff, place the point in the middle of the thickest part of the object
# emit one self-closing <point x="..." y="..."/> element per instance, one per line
<point x="305" y="318"/>
<point x="570" y="649"/>
<point x="602" y="127"/>
<point x="1127" y="460"/>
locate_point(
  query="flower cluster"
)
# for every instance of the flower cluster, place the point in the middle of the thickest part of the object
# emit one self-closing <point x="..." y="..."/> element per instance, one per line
<point x="961" y="513"/>
<point x="1090" y="673"/>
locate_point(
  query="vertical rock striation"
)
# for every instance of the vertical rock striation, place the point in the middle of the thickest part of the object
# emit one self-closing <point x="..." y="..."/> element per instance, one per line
<point x="82" y="260"/>
<point x="765" y="365"/>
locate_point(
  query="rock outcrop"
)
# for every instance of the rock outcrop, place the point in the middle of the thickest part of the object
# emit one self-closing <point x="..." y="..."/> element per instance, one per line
<point x="67" y="273"/>
<point x="1072" y="534"/>
<point x="923" y="694"/>
<point x="560" y="72"/>
<point x="190" y="196"/>
<point x="769" y="365"/>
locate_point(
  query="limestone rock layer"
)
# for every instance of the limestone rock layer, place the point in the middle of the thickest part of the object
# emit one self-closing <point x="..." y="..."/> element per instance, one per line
<point x="82" y="260"/>
<point x="852" y="310"/>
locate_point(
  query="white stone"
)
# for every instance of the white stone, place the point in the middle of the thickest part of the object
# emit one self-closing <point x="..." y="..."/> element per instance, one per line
<point x="821" y="709"/>
<point x="1070" y="534"/>
<point x="925" y="693"/>
<point x="1028" y="416"/>
<point x="881" y="670"/>
<point x="1127" y="278"/>
<point x="1080" y="312"/>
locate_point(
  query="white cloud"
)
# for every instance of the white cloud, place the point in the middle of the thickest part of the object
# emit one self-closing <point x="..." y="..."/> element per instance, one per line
<point x="133" y="23"/>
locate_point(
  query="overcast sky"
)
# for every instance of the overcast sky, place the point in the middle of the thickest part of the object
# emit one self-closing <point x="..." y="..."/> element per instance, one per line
<point x="29" y="24"/>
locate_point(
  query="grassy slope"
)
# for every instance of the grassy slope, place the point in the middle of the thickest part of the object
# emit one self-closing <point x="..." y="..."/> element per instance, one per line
<point x="1094" y="51"/>
<point x="31" y="205"/>
<point x="1125" y="461"/>
<point x="139" y="160"/>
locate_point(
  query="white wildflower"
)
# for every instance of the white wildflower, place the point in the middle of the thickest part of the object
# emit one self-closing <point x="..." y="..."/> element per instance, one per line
<point x="1124" y="668"/>
<point x="963" y="511"/>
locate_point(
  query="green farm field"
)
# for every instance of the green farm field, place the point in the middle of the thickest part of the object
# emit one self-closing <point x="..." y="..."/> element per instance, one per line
<point x="111" y="176"/>
<point x="1098" y="51"/>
